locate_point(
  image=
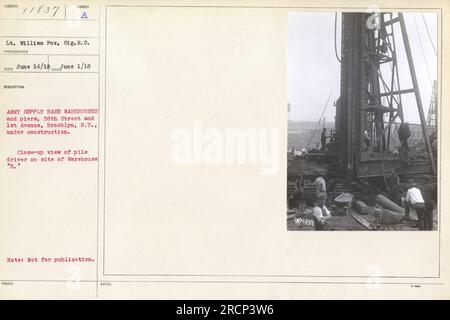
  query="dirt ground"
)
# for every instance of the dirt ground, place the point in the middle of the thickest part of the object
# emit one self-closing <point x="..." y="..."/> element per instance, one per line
<point x="304" y="222"/>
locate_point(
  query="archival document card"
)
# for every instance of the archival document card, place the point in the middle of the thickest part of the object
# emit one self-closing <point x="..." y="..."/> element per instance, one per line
<point x="192" y="149"/>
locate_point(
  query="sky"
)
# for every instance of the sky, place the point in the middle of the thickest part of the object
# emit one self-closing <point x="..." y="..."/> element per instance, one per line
<point x="314" y="71"/>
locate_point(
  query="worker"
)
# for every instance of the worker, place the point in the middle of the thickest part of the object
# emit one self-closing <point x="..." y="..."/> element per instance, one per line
<point x="404" y="132"/>
<point x="433" y="136"/>
<point x="367" y="139"/>
<point x="415" y="201"/>
<point x="393" y="180"/>
<point x="299" y="194"/>
<point x="292" y="151"/>
<point x="405" y="157"/>
<point x="429" y="194"/>
<point x="394" y="187"/>
<point x="433" y="141"/>
<point x="333" y="137"/>
<point x="323" y="138"/>
<point x="321" y="214"/>
<point x="321" y="186"/>
<point x="434" y="146"/>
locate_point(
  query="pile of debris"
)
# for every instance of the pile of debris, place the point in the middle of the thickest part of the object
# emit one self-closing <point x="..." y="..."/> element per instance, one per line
<point x="387" y="215"/>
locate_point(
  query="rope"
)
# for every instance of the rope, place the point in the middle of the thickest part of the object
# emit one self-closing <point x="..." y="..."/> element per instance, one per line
<point x="428" y="32"/>
<point x="335" y="45"/>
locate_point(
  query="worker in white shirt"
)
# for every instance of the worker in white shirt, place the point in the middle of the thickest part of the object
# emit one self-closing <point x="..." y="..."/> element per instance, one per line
<point x="321" y="214"/>
<point x="321" y="186"/>
<point x="415" y="201"/>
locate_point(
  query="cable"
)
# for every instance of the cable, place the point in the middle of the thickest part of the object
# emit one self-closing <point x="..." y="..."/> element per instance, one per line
<point x="335" y="29"/>
<point x="428" y="32"/>
<point x="421" y="48"/>
<point x="320" y="119"/>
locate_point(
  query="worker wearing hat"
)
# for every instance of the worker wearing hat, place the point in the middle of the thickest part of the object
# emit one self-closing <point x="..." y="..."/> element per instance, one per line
<point x="321" y="214"/>
<point x="323" y="139"/>
<point x="321" y="185"/>
<point x="429" y="195"/>
<point x="414" y="200"/>
<point x="299" y="194"/>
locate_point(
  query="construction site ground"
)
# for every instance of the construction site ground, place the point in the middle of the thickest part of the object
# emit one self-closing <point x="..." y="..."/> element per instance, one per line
<point x="297" y="220"/>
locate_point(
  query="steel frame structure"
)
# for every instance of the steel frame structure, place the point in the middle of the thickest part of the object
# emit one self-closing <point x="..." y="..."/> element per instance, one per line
<point x="432" y="110"/>
<point x="371" y="96"/>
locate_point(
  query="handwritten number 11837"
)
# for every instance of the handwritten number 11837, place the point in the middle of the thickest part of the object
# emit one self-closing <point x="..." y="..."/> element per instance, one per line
<point x="41" y="10"/>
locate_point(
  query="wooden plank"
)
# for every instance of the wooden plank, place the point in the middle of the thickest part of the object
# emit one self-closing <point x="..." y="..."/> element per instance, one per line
<point x="295" y="215"/>
<point x="361" y="207"/>
<point x="362" y="221"/>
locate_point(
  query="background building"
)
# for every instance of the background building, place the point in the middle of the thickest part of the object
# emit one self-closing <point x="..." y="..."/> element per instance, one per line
<point x="306" y="134"/>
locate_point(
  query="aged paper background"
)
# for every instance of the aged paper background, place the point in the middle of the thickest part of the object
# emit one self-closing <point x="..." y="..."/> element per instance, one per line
<point x="161" y="230"/>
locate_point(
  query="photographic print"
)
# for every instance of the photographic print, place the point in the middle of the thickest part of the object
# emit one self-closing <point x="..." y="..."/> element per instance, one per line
<point x="362" y="121"/>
